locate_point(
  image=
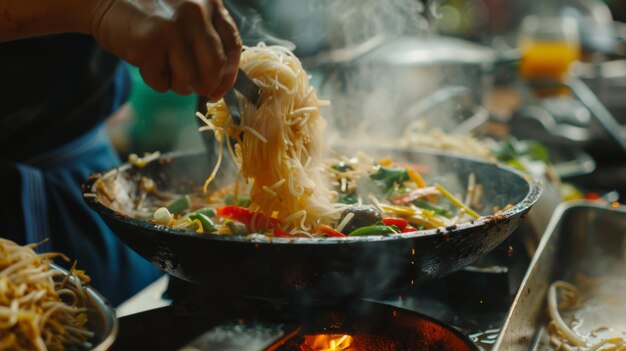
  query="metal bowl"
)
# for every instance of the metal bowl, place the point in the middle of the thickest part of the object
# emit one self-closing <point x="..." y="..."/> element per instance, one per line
<point x="101" y="319"/>
<point x="314" y="267"/>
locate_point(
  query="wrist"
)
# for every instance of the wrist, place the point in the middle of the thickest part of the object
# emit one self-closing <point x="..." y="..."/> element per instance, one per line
<point x="29" y="18"/>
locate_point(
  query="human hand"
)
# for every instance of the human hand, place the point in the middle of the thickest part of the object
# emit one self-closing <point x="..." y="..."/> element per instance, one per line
<point x="184" y="45"/>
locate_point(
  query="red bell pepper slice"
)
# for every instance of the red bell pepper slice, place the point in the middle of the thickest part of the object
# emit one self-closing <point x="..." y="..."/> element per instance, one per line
<point x="280" y="233"/>
<point x="331" y="232"/>
<point x="245" y="216"/>
<point x="398" y="222"/>
<point x="408" y="229"/>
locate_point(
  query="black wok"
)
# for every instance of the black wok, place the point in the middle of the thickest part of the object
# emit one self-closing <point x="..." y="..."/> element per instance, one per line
<point x="321" y="267"/>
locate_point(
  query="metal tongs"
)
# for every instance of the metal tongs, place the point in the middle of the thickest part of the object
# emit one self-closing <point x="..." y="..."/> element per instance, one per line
<point x="246" y="87"/>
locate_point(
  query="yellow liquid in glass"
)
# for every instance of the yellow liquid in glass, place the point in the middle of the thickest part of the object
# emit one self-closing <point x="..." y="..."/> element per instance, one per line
<point x="547" y="59"/>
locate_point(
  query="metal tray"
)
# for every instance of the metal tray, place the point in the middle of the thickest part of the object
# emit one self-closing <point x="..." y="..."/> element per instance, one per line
<point x="582" y="238"/>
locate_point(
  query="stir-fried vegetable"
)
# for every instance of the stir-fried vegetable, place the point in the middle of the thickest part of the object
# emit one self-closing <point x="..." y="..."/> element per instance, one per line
<point x="347" y="198"/>
<point x="330" y="232"/>
<point x="242" y="200"/>
<point x="391" y="176"/>
<point x="252" y="220"/>
<point x="180" y="205"/>
<point x="379" y="199"/>
<point x="414" y="195"/>
<point x="207" y="211"/>
<point x="207" y="223"/>
<point x="511" y="148"/>
<point x="394" y="221"/>
<point x="358" y="216"/>
<point x="438" y="210"/>
<point x="375" y="230"/>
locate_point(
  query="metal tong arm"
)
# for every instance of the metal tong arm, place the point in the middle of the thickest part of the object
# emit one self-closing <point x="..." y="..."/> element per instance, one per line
<point x="247" y="88"/>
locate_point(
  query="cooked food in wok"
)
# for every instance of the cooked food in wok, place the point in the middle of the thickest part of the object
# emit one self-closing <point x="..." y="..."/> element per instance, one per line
<point x="347" y="223"/>
<point x="372" y="198"/>
<point x="285" y="189"/>
<point x="39" y="308"/>
<point x="526" y="155"/>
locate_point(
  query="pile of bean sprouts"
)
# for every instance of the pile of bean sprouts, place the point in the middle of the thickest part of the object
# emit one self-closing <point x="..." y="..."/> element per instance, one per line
<point x="40" y="308"/>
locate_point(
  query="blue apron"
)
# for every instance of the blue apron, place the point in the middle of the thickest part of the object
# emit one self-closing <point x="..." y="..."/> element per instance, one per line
<point x="53" y="207"/>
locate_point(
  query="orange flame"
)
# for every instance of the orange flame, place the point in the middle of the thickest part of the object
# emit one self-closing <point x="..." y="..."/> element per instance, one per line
<point x="327" y="342"/>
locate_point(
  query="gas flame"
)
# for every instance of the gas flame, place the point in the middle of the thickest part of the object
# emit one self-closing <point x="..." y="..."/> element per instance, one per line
<point x="327" y="342"/>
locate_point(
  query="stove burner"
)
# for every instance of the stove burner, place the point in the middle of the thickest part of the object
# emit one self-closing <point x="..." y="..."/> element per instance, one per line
<point x="474" y="301"/>
<point x="359" y="326"/>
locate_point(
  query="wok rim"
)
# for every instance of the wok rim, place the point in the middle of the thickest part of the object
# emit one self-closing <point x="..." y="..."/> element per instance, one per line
<point x="524" y="205"/>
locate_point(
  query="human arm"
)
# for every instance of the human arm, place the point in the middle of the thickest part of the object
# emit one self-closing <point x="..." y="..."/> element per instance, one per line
<point x="29" y="18"/>
<point x="183" y="45"/>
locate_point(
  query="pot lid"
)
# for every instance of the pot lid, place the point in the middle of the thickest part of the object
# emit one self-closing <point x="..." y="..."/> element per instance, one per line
<point x="429" y="50"/>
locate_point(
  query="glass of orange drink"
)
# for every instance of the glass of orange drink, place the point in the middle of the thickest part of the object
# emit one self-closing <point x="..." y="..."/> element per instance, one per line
<point x="549" y="46"/>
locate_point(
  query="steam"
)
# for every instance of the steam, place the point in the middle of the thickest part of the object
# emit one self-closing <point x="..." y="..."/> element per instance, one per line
<point x="351" y="48"/>
<point x="236" y="336"/>
<point x="353" y="22"/>
<point x="344" y="45"/>
<point x="366" y="97"/>
<point x="252" y="27"/>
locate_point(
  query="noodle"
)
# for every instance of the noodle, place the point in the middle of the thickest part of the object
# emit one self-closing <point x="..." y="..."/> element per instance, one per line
<point x="562" y="336"/>
<point x="345" y="221"/>
<point x="32" y="314"/>
<point x="572" y="298"/>
<point x="280" y="141"/>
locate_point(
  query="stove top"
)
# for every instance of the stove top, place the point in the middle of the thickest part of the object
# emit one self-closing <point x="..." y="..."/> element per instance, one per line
<point x="252" y="326"/>
<point x="474" y="301"/>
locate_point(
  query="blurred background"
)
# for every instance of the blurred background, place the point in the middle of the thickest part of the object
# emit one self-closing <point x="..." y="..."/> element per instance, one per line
<point x="538" y="85"/>
<point x="529" y="81"/>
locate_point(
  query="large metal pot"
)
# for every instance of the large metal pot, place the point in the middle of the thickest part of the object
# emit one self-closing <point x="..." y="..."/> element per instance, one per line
<point x="384" y="78"/>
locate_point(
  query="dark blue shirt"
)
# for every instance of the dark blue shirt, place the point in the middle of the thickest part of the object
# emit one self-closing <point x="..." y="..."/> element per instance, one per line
<point x="53" y="89"/>
<point x="56" y="92"/>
